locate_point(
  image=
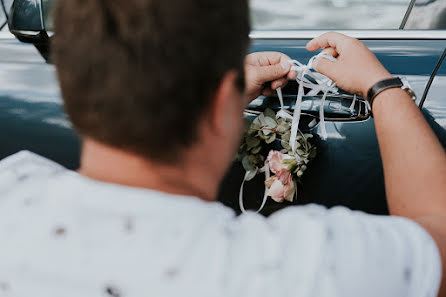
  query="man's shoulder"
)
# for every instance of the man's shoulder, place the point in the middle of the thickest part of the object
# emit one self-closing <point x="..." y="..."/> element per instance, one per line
<point x="23" y="166"/>
<point x="25" y="157"/>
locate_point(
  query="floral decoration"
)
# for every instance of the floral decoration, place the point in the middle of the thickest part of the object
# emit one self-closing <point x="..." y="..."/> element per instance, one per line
<point x="266" y="147"/>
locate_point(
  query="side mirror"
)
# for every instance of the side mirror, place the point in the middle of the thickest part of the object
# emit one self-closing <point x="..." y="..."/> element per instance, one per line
<point x="26" y="22"/>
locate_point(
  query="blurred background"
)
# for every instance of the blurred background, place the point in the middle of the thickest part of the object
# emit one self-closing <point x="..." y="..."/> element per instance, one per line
<point x="319" y="14"/>
<point x="8" y="4"/>
<point x="332" y="14"/>
<point x="327" y="14"/>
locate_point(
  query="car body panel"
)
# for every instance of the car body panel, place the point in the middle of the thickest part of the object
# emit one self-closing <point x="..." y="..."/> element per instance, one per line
<point x="348" y="168"/>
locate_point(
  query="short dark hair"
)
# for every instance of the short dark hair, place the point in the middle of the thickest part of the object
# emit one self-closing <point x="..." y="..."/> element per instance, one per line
<point x="138" y="74"/>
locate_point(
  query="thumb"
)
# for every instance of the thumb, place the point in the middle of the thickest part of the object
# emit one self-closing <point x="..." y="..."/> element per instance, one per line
<point x="273" y="72"/>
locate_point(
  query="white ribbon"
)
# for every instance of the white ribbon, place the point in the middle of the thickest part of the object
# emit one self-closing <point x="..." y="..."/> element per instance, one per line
<point x="265" y="195"/>
<point x="352" y="107"/>
<point x="282" y="112"/>
<point x="323" y="84"/>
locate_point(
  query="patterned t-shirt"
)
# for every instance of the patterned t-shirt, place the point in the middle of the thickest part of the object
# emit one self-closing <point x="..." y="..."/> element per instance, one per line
<point x="62" y="234"/>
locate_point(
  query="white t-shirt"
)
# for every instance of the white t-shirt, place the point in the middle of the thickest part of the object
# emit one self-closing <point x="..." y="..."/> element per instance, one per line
<point x="62" y="234"/>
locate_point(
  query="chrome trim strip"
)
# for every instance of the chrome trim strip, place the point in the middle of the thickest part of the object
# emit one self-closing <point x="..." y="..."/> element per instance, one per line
<point x="360" y="34"/>
<point x="26" y="33"/>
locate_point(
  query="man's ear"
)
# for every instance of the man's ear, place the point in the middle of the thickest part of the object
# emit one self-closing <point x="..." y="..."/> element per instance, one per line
<point x="227" y="105"/>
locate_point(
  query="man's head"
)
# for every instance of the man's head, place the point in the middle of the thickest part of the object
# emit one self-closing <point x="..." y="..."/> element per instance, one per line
<point x="143" y="75"/>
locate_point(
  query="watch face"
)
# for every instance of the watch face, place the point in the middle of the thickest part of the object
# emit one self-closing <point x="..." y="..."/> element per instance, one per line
<point x="406" y="84"/>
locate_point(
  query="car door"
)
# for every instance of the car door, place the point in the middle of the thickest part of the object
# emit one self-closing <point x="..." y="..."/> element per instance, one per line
<point x="347" y="170"/>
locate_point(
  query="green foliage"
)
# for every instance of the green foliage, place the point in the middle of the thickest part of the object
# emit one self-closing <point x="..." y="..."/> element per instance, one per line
<point x="263" y="134"/>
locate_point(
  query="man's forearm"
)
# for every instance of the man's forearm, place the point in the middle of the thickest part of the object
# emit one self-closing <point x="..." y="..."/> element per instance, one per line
<point x="413" y="158"/>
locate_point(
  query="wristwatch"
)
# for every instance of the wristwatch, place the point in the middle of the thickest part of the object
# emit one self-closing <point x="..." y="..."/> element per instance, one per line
<point x="396" y="82"/>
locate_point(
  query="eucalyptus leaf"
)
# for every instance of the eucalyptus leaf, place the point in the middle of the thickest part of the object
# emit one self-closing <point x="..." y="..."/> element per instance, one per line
<point x="289" y="161"/>
<point x="282" y="121"/>
<point x="252" y="130"/>
<point x="252" y="142"/>
<point x="270" y="122"/>
<point x="262" y="135"/>
<point x="253" y="159"/>
<point x="247" y="164"/>
<point x="282" y="128"/>
<point x="269" y="113"/>
<point x="285" y="145"/>
<point x="256" y="150"/>
<point x="300" y="152"/>
<point x="267" y="132"/>
<point x="261" y="119"/>
<point x="256" y="124"/>
<point x="271" y="139"/>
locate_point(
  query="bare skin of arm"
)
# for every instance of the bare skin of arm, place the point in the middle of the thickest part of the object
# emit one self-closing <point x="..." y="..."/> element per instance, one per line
<point x="413" y="159"/>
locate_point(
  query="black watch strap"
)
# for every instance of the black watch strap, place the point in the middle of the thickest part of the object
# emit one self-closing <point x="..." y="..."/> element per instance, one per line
<point x="381" y="86"/>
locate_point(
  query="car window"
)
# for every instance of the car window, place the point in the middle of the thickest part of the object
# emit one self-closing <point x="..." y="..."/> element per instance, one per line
<point x="327" y="14"/>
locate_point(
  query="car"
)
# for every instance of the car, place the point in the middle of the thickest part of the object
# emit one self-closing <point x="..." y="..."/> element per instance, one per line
<point x="347" y="170"/>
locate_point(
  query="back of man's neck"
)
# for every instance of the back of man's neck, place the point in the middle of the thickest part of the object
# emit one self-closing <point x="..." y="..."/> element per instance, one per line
<point x="107" y="164"/>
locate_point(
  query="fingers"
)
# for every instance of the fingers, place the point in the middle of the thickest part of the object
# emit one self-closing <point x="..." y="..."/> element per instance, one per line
<point x="272" y="73"/>
<point x="333" y="44"/>
<point x="326" y="40"/>
<point x="292" y="75"/>
<point x="280" y="83"/>
<point x="331" y="51"/>
<point x="268" y="92"/>
<point x="270" y="89"/>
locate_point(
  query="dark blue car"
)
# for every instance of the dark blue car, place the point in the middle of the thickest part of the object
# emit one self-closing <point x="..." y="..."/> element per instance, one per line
<point x="407" y="36"/>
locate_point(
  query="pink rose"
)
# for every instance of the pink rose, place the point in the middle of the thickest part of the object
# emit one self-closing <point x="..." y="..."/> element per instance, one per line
<point x="281" y="186"/>
<point x="275" y="162"/>
<point x="279" y="191"/>
<point x="276" y="189"/>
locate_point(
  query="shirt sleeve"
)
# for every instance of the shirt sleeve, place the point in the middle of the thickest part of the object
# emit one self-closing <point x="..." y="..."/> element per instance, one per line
<point x="366" y="255"/>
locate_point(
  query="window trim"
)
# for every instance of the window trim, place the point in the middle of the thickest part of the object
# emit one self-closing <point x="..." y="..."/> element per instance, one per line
<point x="360" y="34"/>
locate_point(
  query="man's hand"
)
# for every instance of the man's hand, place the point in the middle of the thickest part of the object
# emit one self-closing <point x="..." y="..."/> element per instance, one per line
<point x="357" y="68"/>
<point x="265" y="72"/>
